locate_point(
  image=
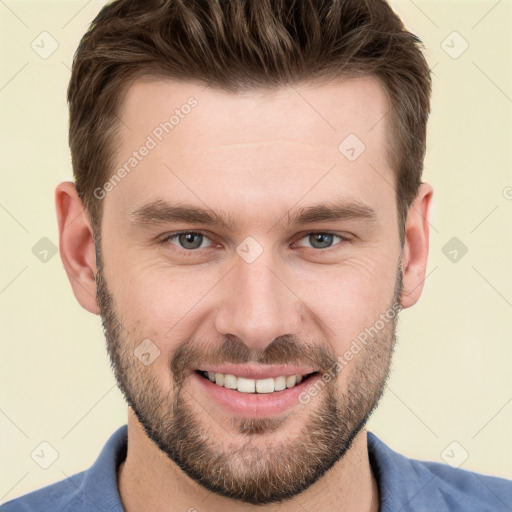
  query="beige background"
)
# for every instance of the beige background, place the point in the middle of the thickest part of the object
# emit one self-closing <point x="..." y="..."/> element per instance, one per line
<point x="451" y="379"/>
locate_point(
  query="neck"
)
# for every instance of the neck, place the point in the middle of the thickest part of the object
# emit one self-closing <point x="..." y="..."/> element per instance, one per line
<point x="149" y="481"/>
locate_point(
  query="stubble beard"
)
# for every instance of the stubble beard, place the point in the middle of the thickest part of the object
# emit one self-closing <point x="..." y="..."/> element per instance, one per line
<point x="259" y="465"/>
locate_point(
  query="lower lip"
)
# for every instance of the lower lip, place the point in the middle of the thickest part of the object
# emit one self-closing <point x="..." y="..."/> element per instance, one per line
<point x="254" y="405"/>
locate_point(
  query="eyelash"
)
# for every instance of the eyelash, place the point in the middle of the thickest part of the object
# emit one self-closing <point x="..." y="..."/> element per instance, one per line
<point x="170" y="236"/>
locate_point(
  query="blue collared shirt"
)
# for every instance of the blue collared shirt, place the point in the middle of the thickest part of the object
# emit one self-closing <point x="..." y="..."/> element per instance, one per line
<point x="405" y="485"/>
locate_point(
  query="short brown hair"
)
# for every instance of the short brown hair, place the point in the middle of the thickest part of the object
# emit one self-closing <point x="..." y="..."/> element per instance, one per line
<point x="241" y="45"/>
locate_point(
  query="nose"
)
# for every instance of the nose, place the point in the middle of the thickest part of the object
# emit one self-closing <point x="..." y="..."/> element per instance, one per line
<point x="257" y="305"/>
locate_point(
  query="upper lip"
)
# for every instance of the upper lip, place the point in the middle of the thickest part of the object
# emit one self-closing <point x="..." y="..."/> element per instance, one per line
<point x="258" y="371"/>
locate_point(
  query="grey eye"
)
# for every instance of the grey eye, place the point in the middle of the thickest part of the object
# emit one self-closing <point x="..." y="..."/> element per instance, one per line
<point x="188" y="240"/>
<point x="319" y="240"/>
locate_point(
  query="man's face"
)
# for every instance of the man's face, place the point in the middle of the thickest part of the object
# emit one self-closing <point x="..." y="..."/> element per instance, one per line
<point x="281" y="283"/>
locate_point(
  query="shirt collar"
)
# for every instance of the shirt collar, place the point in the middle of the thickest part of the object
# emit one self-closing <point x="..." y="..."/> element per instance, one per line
<point x="100" y="481"/>
<point x="404" y="484"/>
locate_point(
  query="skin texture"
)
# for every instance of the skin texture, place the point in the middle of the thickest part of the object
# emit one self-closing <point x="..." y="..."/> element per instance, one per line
<point x="256" y="159"/>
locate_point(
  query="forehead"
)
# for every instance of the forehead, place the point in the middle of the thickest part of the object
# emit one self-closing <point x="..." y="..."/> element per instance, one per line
<point x="253" y="147"/>
<point x="332" y="109"/>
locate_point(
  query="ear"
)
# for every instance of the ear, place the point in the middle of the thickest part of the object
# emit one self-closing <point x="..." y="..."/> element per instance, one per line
<point x="415" y="251"/>
<point x="76" y="245"/>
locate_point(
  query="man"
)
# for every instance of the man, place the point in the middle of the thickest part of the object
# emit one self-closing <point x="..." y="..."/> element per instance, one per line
<point x="248" y="218"/>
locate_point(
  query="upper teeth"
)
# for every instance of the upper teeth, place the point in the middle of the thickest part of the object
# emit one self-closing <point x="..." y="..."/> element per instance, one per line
<point x="254" y="385"/>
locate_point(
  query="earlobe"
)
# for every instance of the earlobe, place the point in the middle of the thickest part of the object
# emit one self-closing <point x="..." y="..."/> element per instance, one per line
<point x="415" y="252"/>
<point x="76" y="245"/>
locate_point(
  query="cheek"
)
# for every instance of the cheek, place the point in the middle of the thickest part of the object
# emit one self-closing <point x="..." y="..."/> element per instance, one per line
<point x="173" y="292"/>
<point x="165" y="303"/>
<point x="350" y="298"/>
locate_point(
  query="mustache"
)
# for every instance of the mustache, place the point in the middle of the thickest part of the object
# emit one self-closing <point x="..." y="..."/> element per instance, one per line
<point x="285" y="349"/>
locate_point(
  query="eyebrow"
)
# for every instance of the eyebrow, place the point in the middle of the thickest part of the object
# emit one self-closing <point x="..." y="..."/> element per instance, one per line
<point x="160" y="212"/>
<point x="333" y="211"/>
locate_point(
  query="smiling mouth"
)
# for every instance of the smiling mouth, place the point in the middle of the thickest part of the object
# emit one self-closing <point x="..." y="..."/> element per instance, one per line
<point x="257" y="386"/>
